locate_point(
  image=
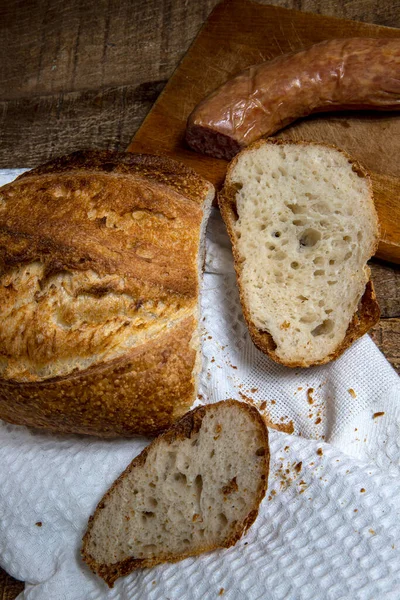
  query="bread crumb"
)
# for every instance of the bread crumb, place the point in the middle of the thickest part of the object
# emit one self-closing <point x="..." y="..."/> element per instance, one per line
<point x="154" y="582"/>
<point x="298" y="467"/>
<point x="254" y="390"/>
<point x="355" y="510"/>
<point x="286" y="448"/>
<point x="377" y="414"/>
<point x="372" y="532"/>
<point x="39" y="523"/>
<point x="318" y="421"/>
<point x="195" y="517"/>
<point x="309" y="396"/>
<point x="299" y="389"/>
<point x="286" y="427"/>
<point x="221" y="592"/>
<point x="352" y="393"/>
<point x="362" y="490"/>
<point x="246" y="398"/>
<point x="285" y="325"/>
<point x="319" y="452"/>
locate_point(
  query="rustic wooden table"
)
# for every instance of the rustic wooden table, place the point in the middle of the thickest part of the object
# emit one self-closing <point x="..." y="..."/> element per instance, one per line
<point x="82" y="74"/>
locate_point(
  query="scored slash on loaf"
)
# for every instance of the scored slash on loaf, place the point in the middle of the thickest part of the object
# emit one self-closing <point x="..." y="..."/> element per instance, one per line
<point x="100" y="259"/>
<point x="303" y="224"/>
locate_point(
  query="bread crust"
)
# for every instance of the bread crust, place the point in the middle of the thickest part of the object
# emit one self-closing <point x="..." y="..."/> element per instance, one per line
<point x="368" y="311"/>
<point x="184" y="428"/>
<point x="161" y="169"/>
<point x="142" y="392"/>
<point x="151" y="382"/>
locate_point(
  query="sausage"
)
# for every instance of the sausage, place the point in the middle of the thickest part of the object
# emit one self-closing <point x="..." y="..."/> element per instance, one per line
<point x="341" y="74"/>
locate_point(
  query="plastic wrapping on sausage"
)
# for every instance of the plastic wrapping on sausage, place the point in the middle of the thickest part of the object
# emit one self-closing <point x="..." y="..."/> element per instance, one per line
<point x="340" y="74"/>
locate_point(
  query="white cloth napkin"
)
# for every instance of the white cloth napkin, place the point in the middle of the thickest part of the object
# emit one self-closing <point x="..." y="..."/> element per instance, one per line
<point x="328" y="528"/>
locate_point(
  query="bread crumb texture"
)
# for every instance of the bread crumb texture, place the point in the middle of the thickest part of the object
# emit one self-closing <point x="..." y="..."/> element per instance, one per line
<point x="188" y="492"/>
<point x="305" y="226"/>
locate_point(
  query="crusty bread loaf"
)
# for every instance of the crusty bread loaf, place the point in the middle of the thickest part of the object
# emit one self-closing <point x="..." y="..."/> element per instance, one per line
<point x="195" y="488"/>
<point x="302" y="222"/>
<point x="100" y="258"/>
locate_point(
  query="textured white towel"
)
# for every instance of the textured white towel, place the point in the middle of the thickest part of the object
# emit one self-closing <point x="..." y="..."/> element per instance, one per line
<point x="329" y="526"/>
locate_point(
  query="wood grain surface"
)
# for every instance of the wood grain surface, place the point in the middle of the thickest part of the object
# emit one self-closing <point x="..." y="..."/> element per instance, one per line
<point x="240" y="33"/>
<point x="85" y="73"/>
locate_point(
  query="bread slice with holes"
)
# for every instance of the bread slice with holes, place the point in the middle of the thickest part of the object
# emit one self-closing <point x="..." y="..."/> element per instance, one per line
<point x="302" y="222"/>
<point x="195" y="488"/>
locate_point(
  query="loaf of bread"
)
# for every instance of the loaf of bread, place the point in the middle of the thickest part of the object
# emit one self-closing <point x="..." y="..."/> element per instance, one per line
<point x="100" y="260"/>
<point x="302" y="222"/>
<point x="195" y="488"/>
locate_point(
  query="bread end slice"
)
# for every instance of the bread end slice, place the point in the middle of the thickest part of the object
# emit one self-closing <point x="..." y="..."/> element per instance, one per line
<point x="195" y="488"/>
<point x="302" y="223"/>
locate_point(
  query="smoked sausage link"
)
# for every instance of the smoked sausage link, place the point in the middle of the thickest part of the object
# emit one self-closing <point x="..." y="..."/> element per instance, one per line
<point x="341" y="74"/>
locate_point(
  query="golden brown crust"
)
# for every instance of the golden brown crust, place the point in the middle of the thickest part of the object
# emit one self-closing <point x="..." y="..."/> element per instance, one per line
<point x="160" y="169"/>
<point x="81" y="219"/>
<point x="142" y="392"/>
<point x="184" y="428"/>
<point x="99" y="292"/>
<point x="368" y="312"/>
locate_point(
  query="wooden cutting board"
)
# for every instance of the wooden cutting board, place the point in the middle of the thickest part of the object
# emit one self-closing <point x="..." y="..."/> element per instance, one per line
<point x="239" y="33"/>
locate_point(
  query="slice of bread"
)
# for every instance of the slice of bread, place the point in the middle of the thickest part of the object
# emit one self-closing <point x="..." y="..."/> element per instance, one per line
<point x="195" y="488"/>
<point x="302" y="222"/>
